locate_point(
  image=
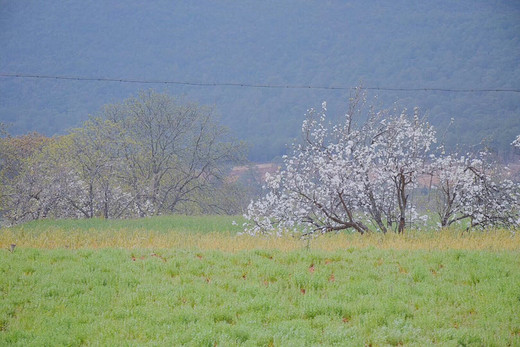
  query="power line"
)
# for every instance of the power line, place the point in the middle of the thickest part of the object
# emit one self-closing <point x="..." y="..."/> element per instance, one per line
<point x="251" y="85"/>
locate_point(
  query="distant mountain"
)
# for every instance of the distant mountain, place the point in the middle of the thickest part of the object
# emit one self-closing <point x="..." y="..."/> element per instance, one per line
<point x="462" y="44"/>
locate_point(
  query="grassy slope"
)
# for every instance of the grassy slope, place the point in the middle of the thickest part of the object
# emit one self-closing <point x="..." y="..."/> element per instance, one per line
<point x="217" y="288"/>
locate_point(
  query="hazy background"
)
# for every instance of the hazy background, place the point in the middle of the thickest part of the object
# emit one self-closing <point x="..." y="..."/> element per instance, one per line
<point x="391" y="44"/>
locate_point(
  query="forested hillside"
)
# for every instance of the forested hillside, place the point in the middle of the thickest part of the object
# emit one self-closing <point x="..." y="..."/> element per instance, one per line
<point x="398" y="44"/>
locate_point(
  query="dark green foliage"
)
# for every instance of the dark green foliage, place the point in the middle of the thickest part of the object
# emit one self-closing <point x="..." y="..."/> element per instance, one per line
<point x="407" y="44"/>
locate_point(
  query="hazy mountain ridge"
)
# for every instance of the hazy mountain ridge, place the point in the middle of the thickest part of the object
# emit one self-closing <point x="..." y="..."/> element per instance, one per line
<point x="398" y="44"/>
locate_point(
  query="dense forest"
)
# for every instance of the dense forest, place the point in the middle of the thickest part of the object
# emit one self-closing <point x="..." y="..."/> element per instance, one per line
<point x="398" y="44"/>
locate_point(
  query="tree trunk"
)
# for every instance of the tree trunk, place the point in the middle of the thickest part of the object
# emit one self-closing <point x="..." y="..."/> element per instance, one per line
<point x="402" y="199"/>
<point x="402" y="223"/>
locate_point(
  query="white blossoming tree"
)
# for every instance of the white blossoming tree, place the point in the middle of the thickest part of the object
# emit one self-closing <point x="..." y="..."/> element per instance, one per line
<point x="470" y="188"/>
<point x="345" y="176"/>
<point x="516" y="142"/>
<point x="361" y="176"/>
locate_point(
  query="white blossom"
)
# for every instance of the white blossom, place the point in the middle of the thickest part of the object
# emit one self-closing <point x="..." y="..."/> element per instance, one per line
<point x="340" y="174"/>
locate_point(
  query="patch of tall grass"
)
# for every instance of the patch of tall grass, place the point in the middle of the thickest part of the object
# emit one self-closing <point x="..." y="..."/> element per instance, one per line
<point x="222" y="233"/>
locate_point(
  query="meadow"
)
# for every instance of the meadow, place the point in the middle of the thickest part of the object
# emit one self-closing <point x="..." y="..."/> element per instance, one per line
<point x="194" y="281"/>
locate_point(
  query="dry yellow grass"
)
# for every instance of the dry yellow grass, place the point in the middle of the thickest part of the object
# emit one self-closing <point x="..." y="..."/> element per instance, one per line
<point x="128" y="239"/>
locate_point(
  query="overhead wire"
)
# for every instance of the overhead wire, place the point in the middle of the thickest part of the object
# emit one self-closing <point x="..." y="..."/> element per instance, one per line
<point x="252" y="85"/>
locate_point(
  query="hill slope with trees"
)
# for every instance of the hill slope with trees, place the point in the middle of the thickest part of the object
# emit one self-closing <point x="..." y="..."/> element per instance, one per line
<point x="399" y="44"/>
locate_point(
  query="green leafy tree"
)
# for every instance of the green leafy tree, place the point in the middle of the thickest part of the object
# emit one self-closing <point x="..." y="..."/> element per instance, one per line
<point x="172" y="152"/>
<point x="15" y="153"/>
<point x="95" y="157"/>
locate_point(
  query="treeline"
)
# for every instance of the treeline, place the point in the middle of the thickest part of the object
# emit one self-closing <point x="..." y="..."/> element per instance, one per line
<point x="149" y="155"/>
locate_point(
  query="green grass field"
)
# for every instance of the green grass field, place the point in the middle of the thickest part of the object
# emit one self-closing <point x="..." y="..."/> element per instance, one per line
<point x="191" y="281"/>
